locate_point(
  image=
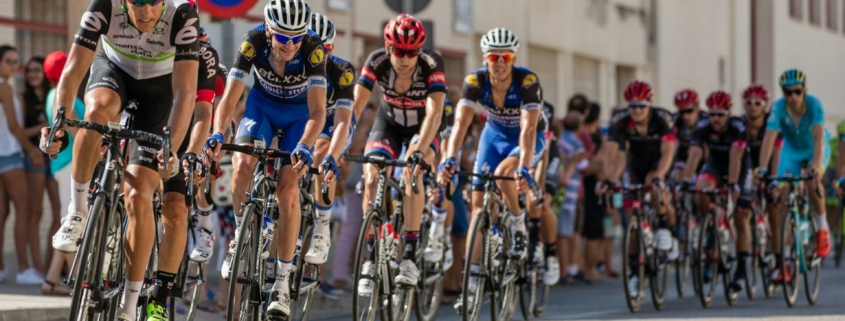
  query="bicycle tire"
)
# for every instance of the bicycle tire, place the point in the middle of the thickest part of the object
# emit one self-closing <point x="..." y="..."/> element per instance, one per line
<point x="682" y="264"/>
<point x="527" y="291"/>
<point x="707" y="234"/>
<point x="659" y="280"/>
<point x="728" y="270"/>
<point x="471" y="308"/>
<point x="813" y="265"/>
<point x="502" y="305"/>
<point x="192" y="304"/>
<point x="428" y="296"/>
<point x="371" y="222"/>
<point x="82" y="260"/>
<point x="245" y="253"/>
<point x="752" y="274"/>
<point x="790" y="289"/>
<point x="301" y="307"/>
<point x="693" y="252"/>
<point x="543" y="301"/>
<point x="114" y="302"/>
<point x="634" y="302"/>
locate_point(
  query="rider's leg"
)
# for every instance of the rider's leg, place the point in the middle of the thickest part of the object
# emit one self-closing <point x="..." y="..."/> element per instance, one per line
<point x="174" y="236"/>
<point x="287" y="233"/>
<point x="413" y="207"/>
<point x="666" y="219"/>
<point x="141" y="182"/>
<point x="818" y="204"/>
<point x="204" y="243"/>
<point x="742" y="216"/>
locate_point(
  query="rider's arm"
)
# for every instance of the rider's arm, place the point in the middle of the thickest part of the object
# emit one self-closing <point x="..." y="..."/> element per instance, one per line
<point x="464" y="113"/>
<point x="343" y="112"/>
<point x="433" y="103"/>
<point x="532" y="103"/>
<point x="315" y="69"/>
<point x="737" y="152"/>
<point x="818" y="148"/>
<point x="693" y="159"/>
<point x="615" y="142"/>
<point x="185" y="66"/>
<point x="772" y="130"/>
<point x="203" y="106"/>
<point x="667" y="146"/>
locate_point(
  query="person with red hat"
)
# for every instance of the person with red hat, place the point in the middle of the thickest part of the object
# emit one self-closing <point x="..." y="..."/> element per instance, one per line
<point x="687" y="119"/>
<point x="727" y="164"/>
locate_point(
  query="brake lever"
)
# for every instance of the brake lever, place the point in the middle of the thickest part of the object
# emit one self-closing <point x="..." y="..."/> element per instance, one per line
<point x="324" y="190"/>
<point x="58" y="123"/>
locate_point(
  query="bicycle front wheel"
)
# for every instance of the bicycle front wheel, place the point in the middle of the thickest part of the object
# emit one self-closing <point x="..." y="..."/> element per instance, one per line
<point x="812" y="263"/>
<point x="527" y="290"/>
<point x="479" y="250"/>
<point x="432" y="276"/>
<point x="244" y="272"/>
<point x="682" y="264"/>
<point x="708" y="260"/>
<point x="632" y="266"/>
<point x="790" y="258"/>
<point x="367" y="284"/>
<point x="86" y="261"/>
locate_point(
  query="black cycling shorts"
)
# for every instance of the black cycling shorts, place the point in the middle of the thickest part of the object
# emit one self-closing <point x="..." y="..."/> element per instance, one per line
<point x="719" y="175"/>
<point x="637" y="170"/>
<point x="154" y="97"/>
<point x="388" y="138"/>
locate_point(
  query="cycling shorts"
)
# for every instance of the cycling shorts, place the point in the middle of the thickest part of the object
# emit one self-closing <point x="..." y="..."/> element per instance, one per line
<point x="388" y="138"/>
<point x="719" y="175"/>
<point x="264" y="117"/>
<point x="791" y="159"/>
<point x="154" y="97"/>
<point x="494" y="147"/>
<point x="637" y="171"/>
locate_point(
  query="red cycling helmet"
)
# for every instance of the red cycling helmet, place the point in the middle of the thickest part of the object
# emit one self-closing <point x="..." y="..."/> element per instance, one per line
<point x="756" y="90"/>
<point x="404" y="32"/>
<point x="638" y="91"/>
<point x="719" y="99"/>
<point x="686" y="97"/>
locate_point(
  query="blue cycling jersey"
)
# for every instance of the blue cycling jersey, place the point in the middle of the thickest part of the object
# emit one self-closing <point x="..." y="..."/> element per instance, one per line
<point x="797" y="135"/>
<point x="524" y="93"/>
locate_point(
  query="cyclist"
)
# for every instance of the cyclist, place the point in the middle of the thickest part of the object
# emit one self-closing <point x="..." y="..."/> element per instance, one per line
<point x="412" y="82"/>
<point x="442" y="211"/>
<point x="150" y="55"/>
<point x="723" y="139"/>
<point x="799" y="117"/>
<point x="510" y="143"/>
<point x="756" y="112"/>
<point x="687" y="119"/>
<point x="336" y="137"/>
<point x="648" y="133"/>
<point x="293" y="101"/>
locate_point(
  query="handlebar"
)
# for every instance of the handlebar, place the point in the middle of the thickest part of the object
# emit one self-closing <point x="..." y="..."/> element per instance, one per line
<point x="383" y="162"/>
<point x="324" y="190"/>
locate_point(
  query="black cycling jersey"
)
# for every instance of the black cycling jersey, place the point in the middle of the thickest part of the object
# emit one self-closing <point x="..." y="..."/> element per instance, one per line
<point x="404" y="109"/>
<point x="289" y="86"/>
<point x="141" y="55"/>
<point x="720" y="144"/>
<point x="209" y="69"/>
<point x="623" y="130"/>
<point x="683" y="134"/>
<point x="755" y="142"/>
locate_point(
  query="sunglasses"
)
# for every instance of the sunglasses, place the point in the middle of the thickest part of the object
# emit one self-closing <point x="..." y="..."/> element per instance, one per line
<point x="637" y="105"/>
<point x="141" y="3"/>
<point x="503" y="57"/>
<point x="790" y="92"/>
<point x="328" y="47"/>
<point x="410" y="53"/>
<point x="686" y="111"/>
<point x="284" y="39"/>
<point x="755" y="102"/>
<point x="11" y="62"/>
<point x="717" y="114"/>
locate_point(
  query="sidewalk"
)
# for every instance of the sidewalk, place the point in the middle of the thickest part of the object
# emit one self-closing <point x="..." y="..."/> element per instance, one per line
<point x="25" y="302"/>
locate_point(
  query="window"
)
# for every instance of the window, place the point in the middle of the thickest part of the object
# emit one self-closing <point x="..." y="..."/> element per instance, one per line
<point x="815" y="13"/>
<point x="795" y="9"/>
<point x="38" y="42"/>
<point x="832" y="15"/>
<point x="455" y="70"/>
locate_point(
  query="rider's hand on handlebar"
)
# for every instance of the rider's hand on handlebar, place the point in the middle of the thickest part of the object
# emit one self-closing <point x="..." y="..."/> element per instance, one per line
<point x="601" y="187"/>
<point x="447" y="170"/>
<point x="199" y="171"/>
<point x="301" y="159"/>
<point x="416" y="157"/>
<point x="172" y="166"/>
<point x="58" y="142"/>
<point x="524" y="180"/>
<point x="333" y="172"/>
<point x="214" y="153"/>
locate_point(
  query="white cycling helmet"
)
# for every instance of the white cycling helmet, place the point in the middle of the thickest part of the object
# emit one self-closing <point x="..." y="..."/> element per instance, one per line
<point x="323" y="27"/>
<point x="292" y="16"/>
<point x="499" y="39"/>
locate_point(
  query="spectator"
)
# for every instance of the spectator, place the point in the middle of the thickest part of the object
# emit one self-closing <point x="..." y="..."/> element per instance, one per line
<point x="13" y="141"/>
<point x="53" y="66"/>
<point x="594" y="219"/>
<point x="574" y="158"/>
<point x="36" y="87"/>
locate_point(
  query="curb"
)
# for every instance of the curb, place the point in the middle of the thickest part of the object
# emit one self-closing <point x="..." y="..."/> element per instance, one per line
<point x="35" y="314"/>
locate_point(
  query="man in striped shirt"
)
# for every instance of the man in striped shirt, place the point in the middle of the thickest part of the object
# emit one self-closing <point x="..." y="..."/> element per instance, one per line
<point x="574" y="159"/>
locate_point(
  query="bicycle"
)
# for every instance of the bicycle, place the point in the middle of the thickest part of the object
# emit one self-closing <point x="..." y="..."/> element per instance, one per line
<point x="533" y="292"/>
<point x="715" y="253"/>
<point x="650" y="261"/>
<point x="498" y="273"/>
<point x="762" y="258"/>
<point x="432" y="274"/>
<point x="261" y="210"/>
<point x="799" y="253"/>
<point x="378" y="246"/>
<point x="97" y="284"/>
<point x="838" y="237"/>
<point x="688" y="231"/>
<point x="188" y="282"/>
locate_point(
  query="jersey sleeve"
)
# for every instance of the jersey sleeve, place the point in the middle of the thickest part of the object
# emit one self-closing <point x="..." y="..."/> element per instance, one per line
<point x="740" y="139"/>
<point x="436" y="80"/>
<point x="315" y="64"/>
<point x="814" y="105"/>
<point x="667" y="131"/>
<point x="696" y="137"/>
<point x="208" y="74"/>
<point x="185" y="33"/>
<point x="532" y="95"/>
<point x="471" y="90"/>
<point x="773" y="123"/>
<point x="345" y="93"/>
<point x="368" y="72"/>
<point x="94" y="23"/>
<point x="616" y="131"/>
<point x="247" y="54"/>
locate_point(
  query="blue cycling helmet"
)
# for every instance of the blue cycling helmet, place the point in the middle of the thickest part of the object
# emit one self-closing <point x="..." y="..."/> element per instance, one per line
<point x="792" y="77"/>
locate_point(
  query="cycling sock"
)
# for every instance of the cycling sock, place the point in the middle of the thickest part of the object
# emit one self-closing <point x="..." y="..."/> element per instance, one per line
<point x="411" y="240"/>
<point x="533" y="230"/>
<point x="778" y="257"/>
<point x="129" y="300"/>
<point x="324" y="215"/>
<point x="551" y="249"/>
<point x="439" y="220"/>
<point x="741" y="257"/>
<point x="164" y="282"/>
<point x="79" y="196"/>
<point x="518" y="223"/>
<point x="282" y="275"/>
<point x="204" y="220"/>
<point x="572" y="270"/>
<point x="821" y="220"/>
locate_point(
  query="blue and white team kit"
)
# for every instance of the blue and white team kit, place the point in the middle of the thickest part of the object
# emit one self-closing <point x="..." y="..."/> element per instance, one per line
<point x="798" y="140"/>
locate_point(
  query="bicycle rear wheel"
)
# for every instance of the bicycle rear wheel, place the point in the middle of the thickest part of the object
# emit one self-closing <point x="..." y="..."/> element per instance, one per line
<point x="432" y="276"/>
<point x="503" y="305"/>
<point x="527" y="290"/>
<point x="727" y="267"/>
<point x="632" y="264"/>
<point x="790" y="258"/>
<point x="542" y="298"/>
<point x="366" y="307"/>
<point x="479" y="247"/>
<point x="708" y="258"/>
<point x="813" y="263"/>
<point x="752" y="272"/>
<point x="86" y="262"/>
<point x="682" y="264"/>
<point x="244" y="270"/>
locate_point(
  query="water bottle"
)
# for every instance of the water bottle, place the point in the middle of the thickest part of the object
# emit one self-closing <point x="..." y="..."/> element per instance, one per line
<point x="648" y="236"/>
<point x="761" y="231"/>
<point x="805" y="231"/>
<point x="617" y="200"/>
<point x="269" y="268"/>
<point x="266" y="235"/>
